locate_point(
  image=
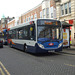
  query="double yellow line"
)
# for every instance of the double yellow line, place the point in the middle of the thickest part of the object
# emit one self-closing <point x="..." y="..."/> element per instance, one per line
<point x="3" y="69"/>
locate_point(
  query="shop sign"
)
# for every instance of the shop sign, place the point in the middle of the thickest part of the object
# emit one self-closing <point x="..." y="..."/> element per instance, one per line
<point x="65" y="37"/>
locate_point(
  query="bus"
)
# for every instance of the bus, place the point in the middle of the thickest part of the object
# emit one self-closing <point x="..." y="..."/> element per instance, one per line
<point x="37" y="36"/>
<point x="3" y="36"/>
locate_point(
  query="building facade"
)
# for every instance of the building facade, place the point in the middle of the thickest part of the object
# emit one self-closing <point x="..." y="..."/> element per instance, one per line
<point x="4" y="21"/>
<point x="11" y="23"/>
<point x="66" y="12"/>
<point x="46" y="9"/>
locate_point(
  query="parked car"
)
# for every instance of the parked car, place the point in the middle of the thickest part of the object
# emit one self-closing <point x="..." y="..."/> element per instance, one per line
<point x="5" y="42"/>
<point x="1" y="43"/>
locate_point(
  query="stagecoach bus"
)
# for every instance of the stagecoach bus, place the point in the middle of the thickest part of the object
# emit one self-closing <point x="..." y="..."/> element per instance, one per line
<point x="37" y="36"/>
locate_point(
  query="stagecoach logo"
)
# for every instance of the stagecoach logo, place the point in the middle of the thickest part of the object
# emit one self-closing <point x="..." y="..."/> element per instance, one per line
<point x="51" y="44"/>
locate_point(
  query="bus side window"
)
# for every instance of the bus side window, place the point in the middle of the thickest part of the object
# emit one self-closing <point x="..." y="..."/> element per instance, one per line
<point x="21" y="33"/>
<point x="13" y="34"/>
<point x="32" y="32"/>
<point x="16" y="33"/>
<point x="26" y="33"/>
<point x="10" y="34"/>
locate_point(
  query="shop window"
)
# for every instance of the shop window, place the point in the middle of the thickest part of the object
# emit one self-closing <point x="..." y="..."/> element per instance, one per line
<point x="74" y="35"/>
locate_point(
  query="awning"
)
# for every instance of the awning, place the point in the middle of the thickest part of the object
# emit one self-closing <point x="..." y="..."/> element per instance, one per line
<point x="65" y="24"/>
<point x="4" y="30"/>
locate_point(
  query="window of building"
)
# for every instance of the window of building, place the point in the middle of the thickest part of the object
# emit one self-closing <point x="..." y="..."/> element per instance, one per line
<point x="35" y="16"/>
<point x="51" y="15"/>
<point x="66" y="8"/>
<point x="19" y="21"/>
<point x="29" y="18"/>
<point x="24" y="20"/>
<point x="32" y="17"/>
<point x="69" y="7"/>
<point x="3" y="26"/>
<point x="40" y="14"/>
<point x="43" y="13"/>
<point x="62" y="10"/>
<point x="47" y="12"/>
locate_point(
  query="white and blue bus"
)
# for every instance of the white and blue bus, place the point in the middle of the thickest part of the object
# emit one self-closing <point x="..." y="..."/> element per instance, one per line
<point x="37" y="36"/>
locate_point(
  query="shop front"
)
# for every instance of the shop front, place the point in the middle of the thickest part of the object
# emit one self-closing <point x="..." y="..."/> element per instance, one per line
<point x="66" y="34"/>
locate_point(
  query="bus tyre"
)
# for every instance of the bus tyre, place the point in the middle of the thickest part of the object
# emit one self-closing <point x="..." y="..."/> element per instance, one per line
<point x="25" y="48"/>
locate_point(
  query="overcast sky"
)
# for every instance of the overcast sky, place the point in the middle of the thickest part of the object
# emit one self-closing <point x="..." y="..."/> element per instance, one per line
<point x="15" y="8"/>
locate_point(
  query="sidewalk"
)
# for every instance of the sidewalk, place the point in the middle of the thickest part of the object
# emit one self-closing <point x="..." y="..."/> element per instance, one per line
<point x="70" y="50"/>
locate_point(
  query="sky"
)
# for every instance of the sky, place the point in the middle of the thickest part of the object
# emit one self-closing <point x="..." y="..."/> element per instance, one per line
<point x="14" y="8"/>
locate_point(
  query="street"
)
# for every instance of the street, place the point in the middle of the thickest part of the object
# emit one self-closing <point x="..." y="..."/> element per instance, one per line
<point x="16" y="62"/>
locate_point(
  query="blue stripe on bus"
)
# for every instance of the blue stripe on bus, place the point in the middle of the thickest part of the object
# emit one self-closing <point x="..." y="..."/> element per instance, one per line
<point x="35" y="49"/>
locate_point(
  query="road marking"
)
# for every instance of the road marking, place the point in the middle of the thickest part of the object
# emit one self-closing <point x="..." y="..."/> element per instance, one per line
<point x="4" y="69"/>
<point x="69" y="65"/>
<point x="2" y="73"/>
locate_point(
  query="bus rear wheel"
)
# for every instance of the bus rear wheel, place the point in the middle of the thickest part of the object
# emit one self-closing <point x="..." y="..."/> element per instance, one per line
<point x="25" y="48"/>
<point x="11" y="45"/>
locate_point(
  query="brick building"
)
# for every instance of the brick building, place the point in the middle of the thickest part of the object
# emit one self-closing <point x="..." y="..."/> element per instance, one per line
<point x="46" y="9"/>
<point x="3" y="22"/>
<point x="11" y="23"/>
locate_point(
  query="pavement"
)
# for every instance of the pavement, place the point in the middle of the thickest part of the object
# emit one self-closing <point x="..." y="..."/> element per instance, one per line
<point x="70" y="50"/>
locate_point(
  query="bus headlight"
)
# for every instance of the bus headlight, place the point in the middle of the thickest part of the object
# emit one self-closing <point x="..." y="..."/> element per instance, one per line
<point x="40" y="45"/>
<point x="60" y="45"/>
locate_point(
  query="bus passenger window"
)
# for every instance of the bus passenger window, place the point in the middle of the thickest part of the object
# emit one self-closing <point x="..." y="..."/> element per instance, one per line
<point x="26" y="33"/>
<point x="21" y="34"/>
<point x="13" y="34"/>
<point x="32" y="32"/>
<point x="10" y="34"/>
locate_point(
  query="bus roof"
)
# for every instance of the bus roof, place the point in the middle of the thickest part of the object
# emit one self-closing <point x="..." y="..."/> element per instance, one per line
<point x="28" y="23"/>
